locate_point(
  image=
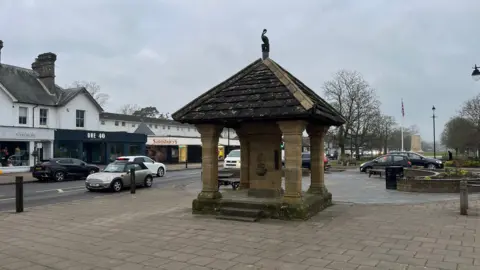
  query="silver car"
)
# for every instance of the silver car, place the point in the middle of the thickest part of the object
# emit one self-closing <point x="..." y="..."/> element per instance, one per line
<point x="116" y="176"/>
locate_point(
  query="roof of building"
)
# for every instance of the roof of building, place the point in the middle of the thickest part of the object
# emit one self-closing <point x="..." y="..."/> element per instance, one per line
<point x="144" y="129"/>
<point x="134" y="118"/>
<point x="25" y="87"/>
<point x="261" y="91"/>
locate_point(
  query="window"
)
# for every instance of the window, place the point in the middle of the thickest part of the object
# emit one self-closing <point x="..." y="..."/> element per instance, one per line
<point x="156" y="126"/>
<point x="80" y="122"/>
<point x="103" y="122"/>
<point x="123" y="124"/>
<point x="168" y="127"/>
<point x="22" y="115"/>
<point x="163" y="127"/>
<point x="138" y="159"/>
<point x="188" y="129"/>
<point x="398" y="158"/>
<point x="178" y="128"/>
<point x="148" y="160"/>
<point x="43" y="117"/>
<point x="116" y="123"/>
<point x="150" y="125"/>
<point x="383" y="159"/>
<point x="133" y="125"/>
<point x="79" y="162"/>
<point x="306" y="156"/>
<point x="414" y="156"/>
<point x="65" y="161"/>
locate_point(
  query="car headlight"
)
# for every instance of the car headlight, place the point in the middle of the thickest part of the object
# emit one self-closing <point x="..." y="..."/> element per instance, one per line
<point x="361" y="165"/>
<point x="439" y="161"/>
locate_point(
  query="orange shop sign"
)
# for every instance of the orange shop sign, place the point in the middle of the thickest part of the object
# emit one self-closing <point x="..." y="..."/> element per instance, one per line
<point x="164" y="142"/>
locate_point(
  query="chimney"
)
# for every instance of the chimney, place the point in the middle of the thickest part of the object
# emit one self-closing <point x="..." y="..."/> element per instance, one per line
<point x="44" y="65"/>
<point x="1" y="46"/>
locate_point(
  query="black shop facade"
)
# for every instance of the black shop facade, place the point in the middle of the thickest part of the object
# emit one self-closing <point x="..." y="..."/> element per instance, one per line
<point x="97" y="147"/>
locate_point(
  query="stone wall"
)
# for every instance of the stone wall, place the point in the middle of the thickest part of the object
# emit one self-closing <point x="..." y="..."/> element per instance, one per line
<point x="432" y="186"/>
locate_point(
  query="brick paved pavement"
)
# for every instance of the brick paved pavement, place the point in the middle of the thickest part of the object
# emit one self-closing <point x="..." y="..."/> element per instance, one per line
<point x="155" y="230"/>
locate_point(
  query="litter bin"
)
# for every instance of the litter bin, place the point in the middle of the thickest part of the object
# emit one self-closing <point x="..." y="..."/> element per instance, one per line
<point x="391" y="174"/>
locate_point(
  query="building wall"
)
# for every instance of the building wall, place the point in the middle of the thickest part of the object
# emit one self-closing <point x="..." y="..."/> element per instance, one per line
<point x="67" y="114"/>
<point x="6" y="110"/>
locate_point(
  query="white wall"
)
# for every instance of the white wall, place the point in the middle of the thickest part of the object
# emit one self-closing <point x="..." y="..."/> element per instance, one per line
<point x="67" y="114"/>
<point x="6" y="111"/>
<point x="176" y="130"/>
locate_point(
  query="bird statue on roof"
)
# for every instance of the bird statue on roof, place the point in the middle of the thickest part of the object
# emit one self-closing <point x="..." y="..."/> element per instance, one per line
<point x="266" y="43"/>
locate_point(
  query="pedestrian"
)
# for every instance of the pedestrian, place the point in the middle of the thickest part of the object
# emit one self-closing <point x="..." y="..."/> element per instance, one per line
<point x="450" y="155"/>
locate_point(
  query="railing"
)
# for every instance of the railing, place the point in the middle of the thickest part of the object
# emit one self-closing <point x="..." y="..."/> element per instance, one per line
<point x="464" y="185"/>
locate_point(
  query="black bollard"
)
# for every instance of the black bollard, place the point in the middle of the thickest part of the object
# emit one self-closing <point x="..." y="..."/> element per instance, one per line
<point x="133" y="185"/>
<point x="19" y="194"/>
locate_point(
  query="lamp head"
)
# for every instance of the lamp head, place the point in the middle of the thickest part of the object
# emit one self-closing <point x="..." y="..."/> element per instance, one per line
<point x="476" y="73"/>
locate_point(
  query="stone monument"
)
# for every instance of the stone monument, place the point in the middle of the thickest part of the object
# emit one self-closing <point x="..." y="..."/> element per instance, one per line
<point x="416" y="144"/>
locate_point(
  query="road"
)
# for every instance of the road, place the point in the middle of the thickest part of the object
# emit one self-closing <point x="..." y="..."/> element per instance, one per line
<point x="36" y="194"/>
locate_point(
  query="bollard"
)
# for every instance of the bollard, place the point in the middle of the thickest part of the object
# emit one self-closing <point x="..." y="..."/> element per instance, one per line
<point x="133" y="184"/>
<point x="19" y="194"/>
<point x="463" y="197"/>
<point x="186" y="164"/>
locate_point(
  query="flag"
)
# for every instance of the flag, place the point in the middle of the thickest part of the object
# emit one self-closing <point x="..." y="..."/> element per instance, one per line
<point x="403" y="110"/>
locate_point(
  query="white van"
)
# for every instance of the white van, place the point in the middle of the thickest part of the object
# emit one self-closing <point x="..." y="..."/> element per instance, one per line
<point x="232" y="160"/>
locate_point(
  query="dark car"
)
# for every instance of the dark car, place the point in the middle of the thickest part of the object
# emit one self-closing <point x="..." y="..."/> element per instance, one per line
<point x="60" y="169"/>
<point x="386" y="160"/>
<point x="306" y="160"/>
<point x="421" y="161"/>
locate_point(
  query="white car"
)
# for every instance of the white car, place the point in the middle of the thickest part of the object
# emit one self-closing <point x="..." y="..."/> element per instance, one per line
<point x="232" y="160"/>
<point x="155" y="167"/>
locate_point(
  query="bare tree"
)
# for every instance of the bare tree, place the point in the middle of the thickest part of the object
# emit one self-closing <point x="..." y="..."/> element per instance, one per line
<point x="348" y="92"/>
<point x="94" y="89"/>
<point x="129" y="109"/>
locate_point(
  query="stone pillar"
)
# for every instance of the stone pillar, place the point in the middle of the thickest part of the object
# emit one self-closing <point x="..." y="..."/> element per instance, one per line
<point x="316" y="133"/>
<point x="244" y="158"/>
<point x="292" y="136"/>
<point x="209" y="135"/>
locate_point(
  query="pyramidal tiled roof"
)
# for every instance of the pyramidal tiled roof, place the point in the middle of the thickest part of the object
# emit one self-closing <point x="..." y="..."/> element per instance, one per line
<point x="263" y="90"/>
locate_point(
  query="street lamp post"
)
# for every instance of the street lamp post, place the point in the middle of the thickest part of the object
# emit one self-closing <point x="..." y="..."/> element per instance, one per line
<point x="476" y="73"/>
<point x="434" y="147"/>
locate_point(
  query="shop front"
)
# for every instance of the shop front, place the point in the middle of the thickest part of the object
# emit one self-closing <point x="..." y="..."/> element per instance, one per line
<point x="21" y="148"/>
<point x="97" y="147"/>
<point x="182" y="149"/>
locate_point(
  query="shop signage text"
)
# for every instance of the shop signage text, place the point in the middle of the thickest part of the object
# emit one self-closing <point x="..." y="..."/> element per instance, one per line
<point x="164" y="141"/>
<point x="96" y="135"/>
<point x="25" y="134"/>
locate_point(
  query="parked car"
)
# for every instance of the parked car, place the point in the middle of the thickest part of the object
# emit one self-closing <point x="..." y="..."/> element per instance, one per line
<point x="421" y="161"/>
<point x="155" y="167"/>
<point x="306" y="160"/>
<point x="232" y="160"/>
<point x="116" y="176"/>
<point x="60" y="169"/>
<point x="386" y="160"/>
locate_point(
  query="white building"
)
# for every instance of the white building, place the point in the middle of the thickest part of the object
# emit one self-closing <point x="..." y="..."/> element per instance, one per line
<point x="32" y="106"/>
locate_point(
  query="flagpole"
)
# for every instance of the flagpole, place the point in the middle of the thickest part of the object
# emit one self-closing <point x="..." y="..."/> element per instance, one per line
<point x="403" y="117"/>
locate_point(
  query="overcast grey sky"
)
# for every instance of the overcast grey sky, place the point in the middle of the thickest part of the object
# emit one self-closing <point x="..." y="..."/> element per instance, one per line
<point x="167" y="52"/>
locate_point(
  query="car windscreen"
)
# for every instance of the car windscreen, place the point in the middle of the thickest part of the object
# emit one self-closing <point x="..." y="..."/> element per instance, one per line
<point x="115" y="167"/>
<point x="234" y="154"/>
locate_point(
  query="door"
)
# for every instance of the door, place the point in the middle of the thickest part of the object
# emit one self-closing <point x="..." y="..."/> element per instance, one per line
<point x="416" y="160"/>
<point x="127" y="179"/>
<point x="71" y="169"/>
<point x="80" y="167"/>
<point x="150" y="163"/>
<point x="382" y="162"/>
<point x="399" y="161"/>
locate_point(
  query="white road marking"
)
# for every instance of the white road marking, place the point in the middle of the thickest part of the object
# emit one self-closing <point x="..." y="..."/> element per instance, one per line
<point x="7" y="199"/>
<point x="60" y="190"/>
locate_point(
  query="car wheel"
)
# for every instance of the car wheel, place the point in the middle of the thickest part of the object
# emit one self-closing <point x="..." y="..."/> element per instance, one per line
<point x="59" y="176"/>
<point x="431" y="166"/>
<point x="148" y="181"/>
<point x="117" y="186"/>
<point x="160" y="172"/>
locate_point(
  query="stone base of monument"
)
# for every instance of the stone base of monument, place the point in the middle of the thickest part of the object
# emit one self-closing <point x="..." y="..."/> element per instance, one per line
<point x="238" y="205"/>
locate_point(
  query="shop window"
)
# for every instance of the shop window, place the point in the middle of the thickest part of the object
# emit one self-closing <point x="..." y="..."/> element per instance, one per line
<point x="66" y="149"/>
<point x="116" y="150"/>
<point x="22" y="115"/>
<point x="80" y="118"/>
<point x="43" y="117"/>
<point x="135" y="150"/>
<point x="14" y="154"/>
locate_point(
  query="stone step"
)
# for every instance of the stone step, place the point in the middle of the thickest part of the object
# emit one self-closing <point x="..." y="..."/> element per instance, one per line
<point x="236" y="218"/>
<point x="240" y="212"/>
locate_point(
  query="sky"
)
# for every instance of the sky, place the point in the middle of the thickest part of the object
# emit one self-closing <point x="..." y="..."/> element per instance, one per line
<point x="165" y="53"/>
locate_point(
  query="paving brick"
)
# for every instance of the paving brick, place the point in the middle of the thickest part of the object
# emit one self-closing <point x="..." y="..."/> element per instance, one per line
<point x="442" y="265"/>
